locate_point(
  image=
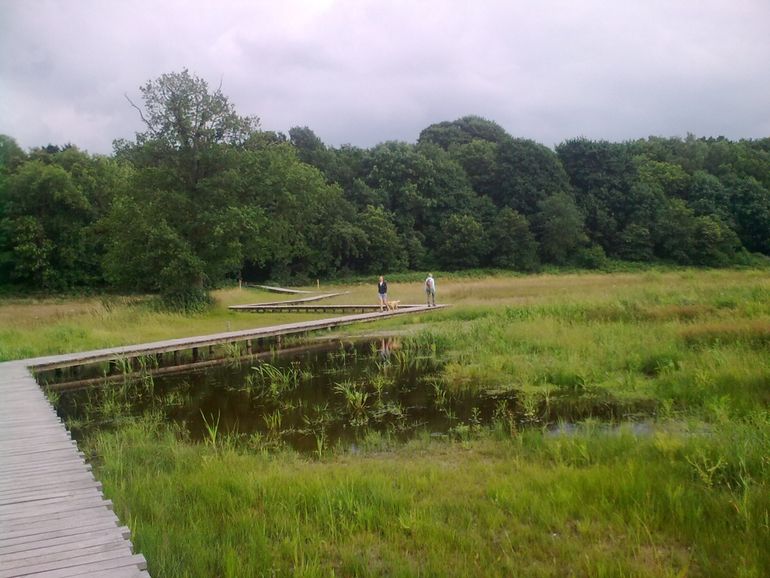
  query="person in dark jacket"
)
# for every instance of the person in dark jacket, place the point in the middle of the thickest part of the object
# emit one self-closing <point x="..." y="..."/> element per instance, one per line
<point x="382" y="291"/>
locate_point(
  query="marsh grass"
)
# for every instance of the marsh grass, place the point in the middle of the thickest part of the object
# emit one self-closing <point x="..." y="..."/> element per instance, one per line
<point x="582" y="504"/>
<point x="35" y="327"/>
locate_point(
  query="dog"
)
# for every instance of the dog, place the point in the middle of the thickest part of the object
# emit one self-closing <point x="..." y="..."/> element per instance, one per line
<point x="393" y="305"/>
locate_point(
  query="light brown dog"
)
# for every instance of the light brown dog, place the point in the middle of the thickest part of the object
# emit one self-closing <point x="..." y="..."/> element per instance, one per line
<point x="393" y="305"/>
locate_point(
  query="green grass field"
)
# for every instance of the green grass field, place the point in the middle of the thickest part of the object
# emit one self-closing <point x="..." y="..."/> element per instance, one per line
<point x="686" y="495"/>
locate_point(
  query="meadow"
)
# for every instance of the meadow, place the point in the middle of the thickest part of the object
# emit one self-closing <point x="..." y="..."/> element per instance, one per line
<point x="680" y="487"/>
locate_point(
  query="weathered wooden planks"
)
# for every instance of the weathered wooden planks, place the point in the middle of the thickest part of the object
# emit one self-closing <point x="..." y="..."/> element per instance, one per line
<point x="292" y="307"/>
<point x="54" y="520"/>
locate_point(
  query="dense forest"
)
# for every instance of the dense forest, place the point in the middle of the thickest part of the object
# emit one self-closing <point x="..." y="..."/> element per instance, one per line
<point x="202" y="196"/>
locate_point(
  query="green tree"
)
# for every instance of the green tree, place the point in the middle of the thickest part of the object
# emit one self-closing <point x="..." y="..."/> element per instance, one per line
<point x="462" y="242"/>
<point x="714" y="243"/>
<point x="528" y="173"/>
<point x="310" y="149"/>
<point x="49" y="199"/>
<point x="463" y="131"/>
<point x="382" y="249"/>
<point x="558" y="227"/>
<point x="189" y="165"/>
<point x="512" y="244"/>
<point x="635" y="243"/>
<point x="751" y="210"/>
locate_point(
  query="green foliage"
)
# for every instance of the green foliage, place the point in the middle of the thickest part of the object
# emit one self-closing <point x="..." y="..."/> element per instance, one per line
<point x="239" y="202"/>
<point x="559" y="228"/>
<point x="52" y="203"/>
<point x="462" y="244"/>
<point x="513" y="245"/>
<point x="381" y="248"/>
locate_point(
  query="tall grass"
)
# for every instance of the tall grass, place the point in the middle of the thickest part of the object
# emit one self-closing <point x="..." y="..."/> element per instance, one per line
<point x="35" y="327"/>
<point x="586" y="504"/>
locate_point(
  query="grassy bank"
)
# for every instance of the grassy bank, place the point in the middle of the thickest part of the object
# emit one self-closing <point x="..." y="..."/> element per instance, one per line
<point x="688" y="494"/>
<point x="34" y="327"/>
<point x="668" y="504"/>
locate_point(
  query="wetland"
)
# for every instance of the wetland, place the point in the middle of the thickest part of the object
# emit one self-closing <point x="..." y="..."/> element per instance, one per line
<point x="440" y="458"/>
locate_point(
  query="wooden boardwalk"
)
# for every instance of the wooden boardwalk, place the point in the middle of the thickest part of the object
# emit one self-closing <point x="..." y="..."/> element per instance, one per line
<point x="294" y="301"/>
<point x="171" y="345"/>
<point x="300" y="307"/>
<point x="279" y="289"/>
<point x="54" y="520"/>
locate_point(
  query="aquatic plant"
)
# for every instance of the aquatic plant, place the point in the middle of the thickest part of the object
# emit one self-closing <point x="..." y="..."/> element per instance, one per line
<point x="212" y="429"/>
<point x="356" y="402"/>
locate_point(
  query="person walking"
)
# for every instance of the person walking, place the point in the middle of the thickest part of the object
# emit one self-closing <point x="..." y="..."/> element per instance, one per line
<point x="430" y="290"/>
<point x="382" y="291"/>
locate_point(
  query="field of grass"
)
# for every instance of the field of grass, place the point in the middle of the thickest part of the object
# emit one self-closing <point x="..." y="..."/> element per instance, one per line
<point x="687" y="494"/>
<point x="35" y="327"/>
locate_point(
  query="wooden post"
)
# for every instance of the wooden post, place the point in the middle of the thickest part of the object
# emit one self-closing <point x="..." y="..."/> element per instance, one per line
<point x="248" y="346"/>
<point x="176" y="357"/>
<point x="195" y="354"/>
<point x="159" y="359"/>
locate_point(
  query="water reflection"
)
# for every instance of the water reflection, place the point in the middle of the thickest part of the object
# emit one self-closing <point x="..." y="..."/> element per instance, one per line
<point x="335" y="393"/>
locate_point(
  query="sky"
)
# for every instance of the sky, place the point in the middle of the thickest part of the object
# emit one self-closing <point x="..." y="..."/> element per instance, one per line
<point x="362" y="72"/>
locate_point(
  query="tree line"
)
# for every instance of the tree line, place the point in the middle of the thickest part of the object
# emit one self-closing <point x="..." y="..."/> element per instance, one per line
<point x="202" y="195"/>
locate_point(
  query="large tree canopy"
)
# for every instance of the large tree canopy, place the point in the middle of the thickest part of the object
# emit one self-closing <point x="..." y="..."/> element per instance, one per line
<point x="201" y="195"/>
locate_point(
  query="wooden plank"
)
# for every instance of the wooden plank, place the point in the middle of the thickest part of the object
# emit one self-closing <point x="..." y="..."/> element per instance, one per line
<point x="38" y="496"/>
<point x="21" y="472"/>
<point x="36" y="524"/>
<point x="126" y="572"/>
<point x="55" y="509"/>
<point x="66" y="487"/>
<point x="66" y="524"/>
<point x="341" y="308"/>
<point x="41" y="553"/>
<point x="40" y="543"/>
<point x="64" y="535"/>
<point x="92" y="562"/>
<point x="40" y="501"/>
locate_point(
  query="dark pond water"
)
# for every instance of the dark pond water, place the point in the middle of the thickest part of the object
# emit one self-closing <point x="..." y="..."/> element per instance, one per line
<point x="331" y="394"/>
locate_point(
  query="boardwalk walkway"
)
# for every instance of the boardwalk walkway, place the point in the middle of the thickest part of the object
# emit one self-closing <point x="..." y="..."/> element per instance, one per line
<point x="54" y="520"/>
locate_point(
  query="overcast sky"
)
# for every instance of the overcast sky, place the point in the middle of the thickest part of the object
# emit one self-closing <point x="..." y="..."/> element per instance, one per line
<point x="363" y="72"/>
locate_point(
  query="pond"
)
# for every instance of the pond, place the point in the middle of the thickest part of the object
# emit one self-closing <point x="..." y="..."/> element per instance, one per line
<point x="332" y="393"/>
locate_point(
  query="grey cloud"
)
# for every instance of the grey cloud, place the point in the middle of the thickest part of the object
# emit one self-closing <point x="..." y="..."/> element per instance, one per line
<point x="362" y="72"/>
